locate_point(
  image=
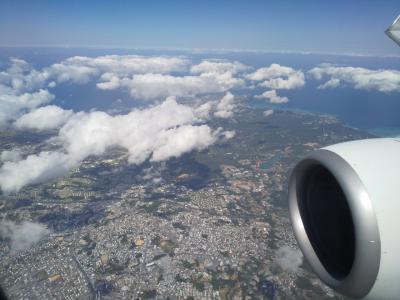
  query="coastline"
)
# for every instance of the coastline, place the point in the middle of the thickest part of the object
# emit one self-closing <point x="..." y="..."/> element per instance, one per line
<point x="385" y="131"/>
<point x="388" y="132"/>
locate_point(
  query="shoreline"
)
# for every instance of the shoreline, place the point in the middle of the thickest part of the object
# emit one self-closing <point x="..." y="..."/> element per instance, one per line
<point x="388" y="132"/>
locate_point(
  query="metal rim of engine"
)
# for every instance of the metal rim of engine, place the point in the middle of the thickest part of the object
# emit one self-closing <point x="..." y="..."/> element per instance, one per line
<point x="364" y="270"/>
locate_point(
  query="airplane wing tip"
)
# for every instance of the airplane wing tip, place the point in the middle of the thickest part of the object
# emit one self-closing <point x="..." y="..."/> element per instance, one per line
<point x="393" y="31"/>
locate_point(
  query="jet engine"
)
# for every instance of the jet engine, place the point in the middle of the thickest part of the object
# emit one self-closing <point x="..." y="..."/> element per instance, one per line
<point x="344" y="203"/>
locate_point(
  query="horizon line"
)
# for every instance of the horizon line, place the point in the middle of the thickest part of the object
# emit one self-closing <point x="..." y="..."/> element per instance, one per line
<point x="207" y="50"/>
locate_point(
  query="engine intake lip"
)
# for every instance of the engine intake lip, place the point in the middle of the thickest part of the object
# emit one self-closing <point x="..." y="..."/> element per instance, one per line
<point x="361" y="277"/>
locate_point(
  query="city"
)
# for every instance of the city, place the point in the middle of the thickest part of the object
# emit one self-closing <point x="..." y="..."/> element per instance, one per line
<point x="208" y="225"/>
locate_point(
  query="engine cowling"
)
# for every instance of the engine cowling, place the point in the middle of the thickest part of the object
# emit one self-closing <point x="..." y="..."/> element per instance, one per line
<point x="344" y="205"/>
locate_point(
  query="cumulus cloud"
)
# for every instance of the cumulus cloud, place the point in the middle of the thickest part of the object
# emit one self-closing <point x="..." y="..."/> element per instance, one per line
<point x="125" y="65"/>
<point x="111" y="68"/>
<point x="144" y="133"/>
<point x="210" y="76"/>
<point x="80" y="69"/>
<point x="268" y="112"/>
<point x="176" y="141"/>
<point x="156" y="133"/>
<point x="289" y="259"/>
<point x="156" y="86"/>
<point x="225" y="108"/>
<point x="109" y="81"/>
<point x="331" y="83"/>
<point x="20" y="77"/>
<point x="227" y="135"/>
<point x="64" y="72"/>
<point x="218" y="66"/>
<point x="360" y="78"/>
<point x="44" y="118"/>
<point x="12" y="104"/>
<point x="10" y="155"/>
<point x="22" y="236"/>
<point x="273" y="97"/>
<point x="33" y="169"/>
<point x="204" y="109"/>
<point x="278" y="77"/>
<point x="21" y="89"/>
<point x="29" y="100"/>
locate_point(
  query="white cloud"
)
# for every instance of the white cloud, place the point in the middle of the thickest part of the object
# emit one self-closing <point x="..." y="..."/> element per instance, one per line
<point x="63" y="72"/>
<point x="268" y="112"/>
<point x="227" y="135"/>
<point x="22" y="236"/>
<point x="272" y="97"/>
<point x="33" y="169"/>
<point x="20" y="77"/>
<point x="204" y="109"/>
<point x="155" y="86"/>
<point x="125" y="65"/>
<point x="81" y="69"/>
<point x="331" y="83"/>
<point x="360" y="78"/>
<point x="30" y="100"/>
<point x="278" y="77"/>
<point x="289" y="259"/>
<point x="10" y="155"/>
<point x="109" y="81"/>
<point x="21" y="90"/>
<point x="156" y="133"/>
<point x="176" y="141"/>
<point x="13" y="104"/>
<point x="212" y="76"/>
<point x="139" y="131"/>
<point x="225" y="107"/>
<point x="218" y="66"/>
<point x="44" y="118"/>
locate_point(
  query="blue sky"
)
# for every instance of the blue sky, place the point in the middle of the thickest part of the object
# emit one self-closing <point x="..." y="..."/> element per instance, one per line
<point x="315" y="26"/>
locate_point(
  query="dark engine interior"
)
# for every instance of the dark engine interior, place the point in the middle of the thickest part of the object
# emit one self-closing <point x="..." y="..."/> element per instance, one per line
<point x="327" y="219"/>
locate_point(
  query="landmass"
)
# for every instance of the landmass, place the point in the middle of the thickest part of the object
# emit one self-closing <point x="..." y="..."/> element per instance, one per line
<point x="206" y="225"/>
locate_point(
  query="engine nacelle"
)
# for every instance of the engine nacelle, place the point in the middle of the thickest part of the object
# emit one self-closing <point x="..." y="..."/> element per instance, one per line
<point x="344" y="203"/>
